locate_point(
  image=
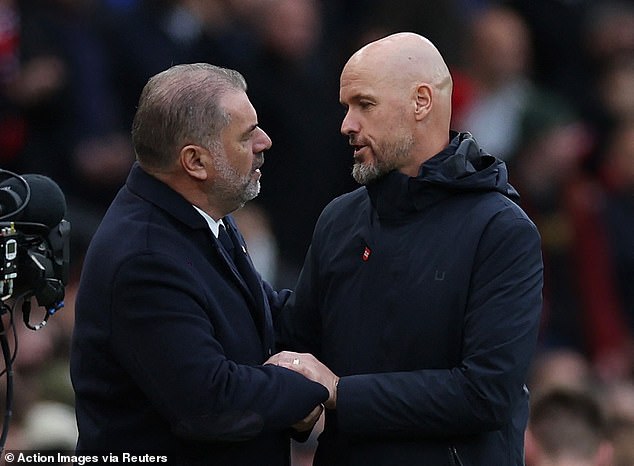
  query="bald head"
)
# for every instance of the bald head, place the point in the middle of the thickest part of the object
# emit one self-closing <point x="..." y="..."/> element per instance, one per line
<point x="406" y="57"/>
<point x="398" y="94"/>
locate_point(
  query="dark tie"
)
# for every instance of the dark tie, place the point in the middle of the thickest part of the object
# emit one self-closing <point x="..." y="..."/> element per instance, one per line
<point x="229" y="240"/>
<point x="226" y="242"/>
<point x="240" y="259"/>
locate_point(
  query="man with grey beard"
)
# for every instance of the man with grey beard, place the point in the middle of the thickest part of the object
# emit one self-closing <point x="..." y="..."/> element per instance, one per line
<point x="419" y="301"/>
<point x="172" y="322"/>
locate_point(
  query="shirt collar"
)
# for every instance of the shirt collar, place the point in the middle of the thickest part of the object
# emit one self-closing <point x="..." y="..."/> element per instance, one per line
<point x="214" y="225"/>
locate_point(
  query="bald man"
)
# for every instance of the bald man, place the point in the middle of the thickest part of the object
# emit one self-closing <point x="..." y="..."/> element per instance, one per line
<point x="421" y="291"/>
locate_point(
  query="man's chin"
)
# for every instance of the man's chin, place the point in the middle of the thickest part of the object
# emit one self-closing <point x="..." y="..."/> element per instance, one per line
<point x="365" y="173"/>
<point x="252" y="190"/>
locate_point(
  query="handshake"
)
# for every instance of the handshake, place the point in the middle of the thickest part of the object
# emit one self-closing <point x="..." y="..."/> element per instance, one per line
<point x="311" y="368"/>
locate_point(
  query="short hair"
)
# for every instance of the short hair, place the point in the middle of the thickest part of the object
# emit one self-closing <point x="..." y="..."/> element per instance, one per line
<point x="568" y="422"/>
<point x="181" y="106"/>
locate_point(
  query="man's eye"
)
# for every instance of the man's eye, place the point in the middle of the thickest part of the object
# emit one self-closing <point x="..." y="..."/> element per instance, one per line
<point x="364" y="104"/>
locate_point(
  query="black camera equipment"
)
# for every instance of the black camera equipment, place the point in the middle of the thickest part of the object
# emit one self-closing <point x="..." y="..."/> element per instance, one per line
<point x="34" y="259"/>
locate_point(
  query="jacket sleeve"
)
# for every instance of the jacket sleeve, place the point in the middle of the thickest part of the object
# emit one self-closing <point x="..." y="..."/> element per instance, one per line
<point x="162" y="335"/>
<point x="500" y="329"/>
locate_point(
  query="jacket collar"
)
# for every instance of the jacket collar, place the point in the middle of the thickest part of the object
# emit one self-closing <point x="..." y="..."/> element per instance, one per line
<point x="461" y="167"/>
<point x="161" y="195"/>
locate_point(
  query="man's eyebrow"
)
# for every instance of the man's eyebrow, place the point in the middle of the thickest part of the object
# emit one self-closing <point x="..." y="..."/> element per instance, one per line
<point x="251" y="128"/>
<point x="356" y="98"/>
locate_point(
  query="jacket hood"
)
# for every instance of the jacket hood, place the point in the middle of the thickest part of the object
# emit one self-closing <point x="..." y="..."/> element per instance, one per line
<point x="461" y="167"/>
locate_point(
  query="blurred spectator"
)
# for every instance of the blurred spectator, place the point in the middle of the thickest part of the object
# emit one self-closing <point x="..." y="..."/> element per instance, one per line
<point x="567" y="428"/>
<point x="152" y="35"/>
<point x="582" y="310"/>
<point x="617" y="173"/>
<point x="574" y="42"/>
<point x="498" y="68"/>
<point x="616" y="89"/>
<point x="255" y="227"/>
<point x="40" y="378"/>
<point x="608" y="31"/>
<point x="560" y="368"/>
<point x="50" y="427"/>
<point x="569" y="373"/>
<point x="12" y="124"/>
<point x="557" y="30"/>
<point x="59" y="95"/>
<point x="617" y="398"/>
<point x="608" y="50"/>
<point x="622" y="436"/>
<point x="294" y="87"/>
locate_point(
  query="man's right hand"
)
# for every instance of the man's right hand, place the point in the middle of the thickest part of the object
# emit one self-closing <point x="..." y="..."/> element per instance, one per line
<point x="310" y="367"/>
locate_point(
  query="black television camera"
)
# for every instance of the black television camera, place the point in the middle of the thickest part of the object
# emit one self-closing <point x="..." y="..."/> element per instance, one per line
<point x="34" y="260"/>
<point x="34" y="243"/>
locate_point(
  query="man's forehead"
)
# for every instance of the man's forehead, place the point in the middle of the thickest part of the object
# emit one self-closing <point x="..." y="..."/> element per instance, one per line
<point x="237" y="103"/>
<point x="364" y="78"/>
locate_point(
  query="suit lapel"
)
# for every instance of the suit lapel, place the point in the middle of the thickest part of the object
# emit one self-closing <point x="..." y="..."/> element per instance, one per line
<point x="158" y="193"/>
<point x="245" y="266"/>
<point x="250" y="282"/>
<point x="235" y="273"/>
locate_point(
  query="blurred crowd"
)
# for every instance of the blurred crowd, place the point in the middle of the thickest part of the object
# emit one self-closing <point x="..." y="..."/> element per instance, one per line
<point x="546" y="85"/>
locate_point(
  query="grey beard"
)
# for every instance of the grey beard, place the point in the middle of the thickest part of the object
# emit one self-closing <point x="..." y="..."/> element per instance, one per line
<point x="363" y="174"/>
<point x="233" y="188"/>
<point x="399" y="151"/>
<point x="251" y="192"/>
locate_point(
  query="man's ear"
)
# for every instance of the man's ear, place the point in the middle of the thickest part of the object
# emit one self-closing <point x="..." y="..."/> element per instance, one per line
<point x="193" y="159"/>
<point x="423" y="99"/>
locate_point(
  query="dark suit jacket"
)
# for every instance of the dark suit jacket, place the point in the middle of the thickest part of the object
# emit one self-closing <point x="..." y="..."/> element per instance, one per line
<point x="169" y="341"/>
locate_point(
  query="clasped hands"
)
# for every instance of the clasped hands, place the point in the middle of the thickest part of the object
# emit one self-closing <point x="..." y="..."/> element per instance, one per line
<point x="310" y="367"/>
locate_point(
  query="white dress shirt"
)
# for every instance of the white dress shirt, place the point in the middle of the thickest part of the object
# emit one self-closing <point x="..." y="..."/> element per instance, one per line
<point x="214" y="225"/>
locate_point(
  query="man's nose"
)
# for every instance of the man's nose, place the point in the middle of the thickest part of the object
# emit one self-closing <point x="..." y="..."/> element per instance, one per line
<point x="262" y="141"/>
<point x="349" y="125"/>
